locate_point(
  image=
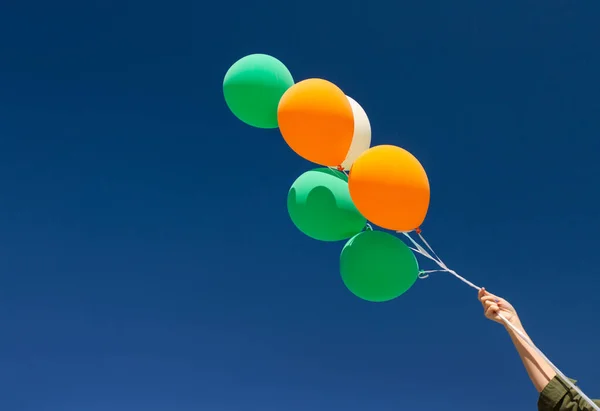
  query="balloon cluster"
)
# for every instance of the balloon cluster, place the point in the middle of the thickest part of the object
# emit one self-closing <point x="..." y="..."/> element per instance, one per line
<point x="386" y="185"/>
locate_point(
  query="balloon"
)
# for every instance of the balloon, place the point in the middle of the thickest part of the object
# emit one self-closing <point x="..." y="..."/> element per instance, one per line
<point x="390" y="188"/>
<point x="377" y="266"/>
<point x="253" y="87"/>
<point x="361" y="140"/>
<point x="320" y="206"/>
<point x="316" y="121"/>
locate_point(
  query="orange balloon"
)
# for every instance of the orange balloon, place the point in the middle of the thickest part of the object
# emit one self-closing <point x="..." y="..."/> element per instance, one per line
<point x="316" y="121"/>
<point x="390" y="188"/>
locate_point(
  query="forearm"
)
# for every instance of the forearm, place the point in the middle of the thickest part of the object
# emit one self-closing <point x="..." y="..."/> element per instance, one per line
<point x="538" y="369"/>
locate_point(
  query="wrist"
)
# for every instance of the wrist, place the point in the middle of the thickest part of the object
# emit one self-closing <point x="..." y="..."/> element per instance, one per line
<point x="516" y="323"/>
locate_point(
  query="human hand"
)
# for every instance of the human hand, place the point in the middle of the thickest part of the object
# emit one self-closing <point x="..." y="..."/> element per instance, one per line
<point x="494" y="305"/>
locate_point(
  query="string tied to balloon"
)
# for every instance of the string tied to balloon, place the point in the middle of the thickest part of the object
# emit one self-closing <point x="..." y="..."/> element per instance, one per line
<point x="430" y="254"/>
<point x="423" y="274"/>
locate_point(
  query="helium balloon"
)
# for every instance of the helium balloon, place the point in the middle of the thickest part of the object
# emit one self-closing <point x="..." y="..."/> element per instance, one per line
<point x="316" y="121"/>
<point x="390" y="188"/>
<point x="361" y="140"/>
<point x="377" y="266"/>
<point x="320" y="206"/>
<point x="253" y="87"/>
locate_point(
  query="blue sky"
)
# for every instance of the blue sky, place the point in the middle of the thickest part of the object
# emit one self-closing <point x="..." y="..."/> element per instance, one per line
<point x="147" y="261"/>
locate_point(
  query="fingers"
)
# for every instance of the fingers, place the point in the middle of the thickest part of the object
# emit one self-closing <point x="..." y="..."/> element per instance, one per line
<point x="490" y="298"/>
<point x="484" y="294"/>
<point x="491" y="309"/>
<point x="492" y="315"/>
<point x="493" y="305"/>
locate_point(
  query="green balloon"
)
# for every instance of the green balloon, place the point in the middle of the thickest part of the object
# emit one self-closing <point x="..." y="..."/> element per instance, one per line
<point x="377" y="266"/>
<point x="319" y="204"/>
<point x="253" y="87"/>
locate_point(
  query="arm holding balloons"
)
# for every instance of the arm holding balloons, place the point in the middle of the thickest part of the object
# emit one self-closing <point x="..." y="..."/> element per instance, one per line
<point x="538" y="370"/>
<point x="554" y="394"/>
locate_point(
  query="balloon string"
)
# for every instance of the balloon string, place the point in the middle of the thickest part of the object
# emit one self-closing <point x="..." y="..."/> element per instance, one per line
<point x="437" y="259"/>
<point x="419" y="249"/>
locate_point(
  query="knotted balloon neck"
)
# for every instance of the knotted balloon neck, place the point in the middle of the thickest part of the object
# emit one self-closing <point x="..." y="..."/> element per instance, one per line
<point x="339" y="169"/>
<point x="425" y="274"/>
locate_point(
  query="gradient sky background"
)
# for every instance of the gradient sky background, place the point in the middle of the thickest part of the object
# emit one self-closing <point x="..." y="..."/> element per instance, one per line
<point x="147" y="261"/>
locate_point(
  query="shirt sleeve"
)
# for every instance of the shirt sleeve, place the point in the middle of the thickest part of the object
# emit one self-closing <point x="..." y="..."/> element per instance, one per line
<point x="557" y="396"/>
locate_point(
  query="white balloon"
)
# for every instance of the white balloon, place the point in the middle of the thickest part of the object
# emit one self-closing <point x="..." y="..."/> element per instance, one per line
<point x="361" y="140"/>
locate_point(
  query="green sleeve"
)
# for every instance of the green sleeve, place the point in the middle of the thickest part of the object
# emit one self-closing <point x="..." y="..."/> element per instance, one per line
<point x="557" y="396"/>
